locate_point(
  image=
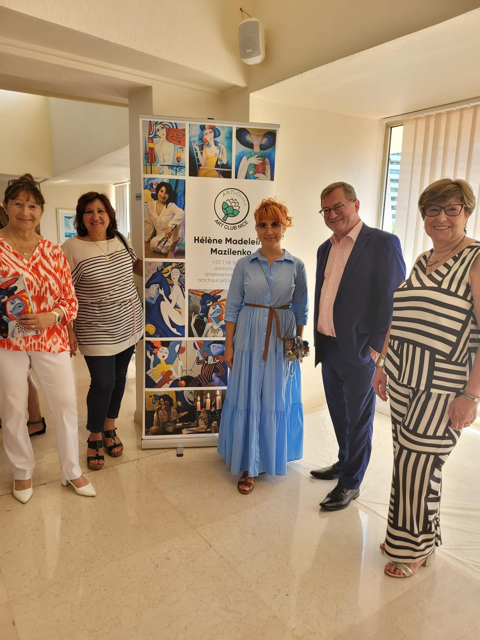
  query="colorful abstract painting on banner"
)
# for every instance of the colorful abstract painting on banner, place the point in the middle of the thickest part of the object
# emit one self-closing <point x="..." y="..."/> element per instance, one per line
<point x="195" y="231"/>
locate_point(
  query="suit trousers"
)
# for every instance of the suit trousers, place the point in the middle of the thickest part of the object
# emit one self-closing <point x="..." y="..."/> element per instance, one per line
<point x="55" y="376"/>
<point x="351" y="404"/>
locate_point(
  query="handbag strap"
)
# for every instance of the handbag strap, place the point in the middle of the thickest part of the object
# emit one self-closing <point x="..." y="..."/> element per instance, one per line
<point x="124" y="242"/>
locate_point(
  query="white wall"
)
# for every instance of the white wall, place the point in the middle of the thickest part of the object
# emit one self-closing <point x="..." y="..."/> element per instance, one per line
<point x="64" y="197"/>
<point x="24" y="135"/>
<point x="83" y="131"/>
<point x="316" y="148"/>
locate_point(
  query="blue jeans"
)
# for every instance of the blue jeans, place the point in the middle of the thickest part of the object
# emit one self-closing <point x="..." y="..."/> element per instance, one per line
<point x="108" y="377"/>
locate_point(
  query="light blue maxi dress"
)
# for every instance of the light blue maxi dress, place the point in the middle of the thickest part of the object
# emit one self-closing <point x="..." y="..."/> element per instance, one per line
<point x="262" y="419"/>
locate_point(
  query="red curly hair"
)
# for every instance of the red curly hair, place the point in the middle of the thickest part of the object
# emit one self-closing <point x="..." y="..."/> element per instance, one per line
<point x="271" y="209"/>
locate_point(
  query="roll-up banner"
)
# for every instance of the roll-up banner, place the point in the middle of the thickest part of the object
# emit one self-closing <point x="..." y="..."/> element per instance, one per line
<point x="202" y="181"/>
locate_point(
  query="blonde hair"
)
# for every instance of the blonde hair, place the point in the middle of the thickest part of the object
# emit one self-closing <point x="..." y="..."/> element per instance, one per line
<point x="271" y="209"/>
<point x="444" y="190"/>
<point x="348" y="190"/>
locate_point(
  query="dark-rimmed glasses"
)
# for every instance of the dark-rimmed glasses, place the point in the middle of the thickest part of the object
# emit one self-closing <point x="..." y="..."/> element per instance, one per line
<point x="16" y="181"/>
<point x="451" y="210"/>
<point x="338" y="208"/>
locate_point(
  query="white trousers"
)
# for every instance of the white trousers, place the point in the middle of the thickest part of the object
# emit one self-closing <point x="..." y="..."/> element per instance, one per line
<point x="55" y="376"/>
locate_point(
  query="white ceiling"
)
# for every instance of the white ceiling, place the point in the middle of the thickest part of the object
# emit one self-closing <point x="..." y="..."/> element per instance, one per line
<point x="119" y="71"/>
<point x="111" y="168"/>
<point x="435" y="66"/>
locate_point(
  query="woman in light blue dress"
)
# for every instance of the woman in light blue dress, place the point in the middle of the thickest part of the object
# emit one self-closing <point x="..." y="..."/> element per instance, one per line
<point x="262" y="419"/>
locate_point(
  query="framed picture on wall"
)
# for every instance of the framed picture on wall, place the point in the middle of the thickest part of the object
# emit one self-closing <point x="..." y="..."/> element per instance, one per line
<point x="65" y="224"/>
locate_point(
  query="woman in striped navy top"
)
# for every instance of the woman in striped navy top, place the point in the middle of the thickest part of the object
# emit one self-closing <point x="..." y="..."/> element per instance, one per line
<point x="110" y="317"/>
<point x="430" y="358"/>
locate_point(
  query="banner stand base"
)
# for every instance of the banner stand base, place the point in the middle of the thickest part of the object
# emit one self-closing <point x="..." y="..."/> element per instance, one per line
<point x="172" y="442"/>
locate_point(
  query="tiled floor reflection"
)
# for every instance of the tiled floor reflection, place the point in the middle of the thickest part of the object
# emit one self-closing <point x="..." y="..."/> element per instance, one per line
<point x="170" y="550"/>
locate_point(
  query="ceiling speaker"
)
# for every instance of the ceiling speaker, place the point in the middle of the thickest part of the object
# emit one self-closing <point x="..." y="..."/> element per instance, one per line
<point x="251" y="41"/>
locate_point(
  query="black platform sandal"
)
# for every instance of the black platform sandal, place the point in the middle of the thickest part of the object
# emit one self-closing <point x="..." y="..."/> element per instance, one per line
<point x="112" y="434"/>
<point x="95" y="444"/>
<point x="37" y="433"/>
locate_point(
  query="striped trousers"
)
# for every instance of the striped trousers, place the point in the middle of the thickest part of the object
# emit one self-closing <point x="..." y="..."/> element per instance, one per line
<point x="422" y="442"/>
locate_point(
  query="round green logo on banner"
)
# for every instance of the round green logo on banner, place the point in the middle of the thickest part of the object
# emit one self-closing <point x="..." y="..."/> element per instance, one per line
<point x="231" y="208"/>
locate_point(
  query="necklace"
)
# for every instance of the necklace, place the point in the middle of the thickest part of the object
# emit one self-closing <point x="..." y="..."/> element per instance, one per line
<point x="17" y="249"/>
<point x="430" y="264"/>
<point x="105" y="253"/>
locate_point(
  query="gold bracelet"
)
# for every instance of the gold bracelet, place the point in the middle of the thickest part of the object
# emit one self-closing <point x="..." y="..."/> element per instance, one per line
<point x="380" y="362"/>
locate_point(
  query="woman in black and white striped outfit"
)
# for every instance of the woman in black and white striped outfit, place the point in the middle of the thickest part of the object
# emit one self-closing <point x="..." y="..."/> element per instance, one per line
<point x="430" y="358"/>
<point x="110" y="317"/>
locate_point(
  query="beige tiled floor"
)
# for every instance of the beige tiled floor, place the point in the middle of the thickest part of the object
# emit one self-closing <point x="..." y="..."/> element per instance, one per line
<point x="170" y="550"/>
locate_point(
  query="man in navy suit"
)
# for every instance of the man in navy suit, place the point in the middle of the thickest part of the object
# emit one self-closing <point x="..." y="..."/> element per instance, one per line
<point x="358" y="269"/>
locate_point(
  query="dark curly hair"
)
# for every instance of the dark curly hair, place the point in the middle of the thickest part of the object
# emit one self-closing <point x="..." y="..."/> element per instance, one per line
<point x="82" y="204"/>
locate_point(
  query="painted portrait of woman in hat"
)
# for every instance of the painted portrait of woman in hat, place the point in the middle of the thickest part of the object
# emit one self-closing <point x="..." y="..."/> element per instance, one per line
<point x="210" y="151"/>
<point x="255" y="158"/>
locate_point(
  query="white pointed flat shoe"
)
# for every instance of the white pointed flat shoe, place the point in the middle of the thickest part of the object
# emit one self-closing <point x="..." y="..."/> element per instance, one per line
<point x="24" y="495"/>
<point x="88" y="490"/>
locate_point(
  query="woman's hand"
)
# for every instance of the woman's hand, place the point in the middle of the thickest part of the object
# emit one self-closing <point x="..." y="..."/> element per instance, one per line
<point x="380" y="383"/>
<point x="37" y="321"/>
<point x="72" y="338"/>
<point x="462" y="413"/>
<point x="168" y="232"/>
<point x="229" y="356"/>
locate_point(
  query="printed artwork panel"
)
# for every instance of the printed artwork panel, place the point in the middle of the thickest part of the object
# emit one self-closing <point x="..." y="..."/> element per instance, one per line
<point x="206" y="363"/>
<point x="164" y="217"/>
<point x="210" y="151"/>
<point x="165" y="363"/>
<point x="164" y="148"/>
<point x="183" y="412"/>
<point x="206" y="313"/>
<point x="255" y="153"/>
<point x="164" y="299"/>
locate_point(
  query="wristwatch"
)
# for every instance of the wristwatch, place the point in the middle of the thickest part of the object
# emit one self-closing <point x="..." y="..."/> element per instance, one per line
<point x="58" y="317"/>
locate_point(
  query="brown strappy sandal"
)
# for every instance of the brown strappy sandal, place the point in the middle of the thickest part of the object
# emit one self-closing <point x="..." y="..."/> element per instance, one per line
<point x="244" y="482"/>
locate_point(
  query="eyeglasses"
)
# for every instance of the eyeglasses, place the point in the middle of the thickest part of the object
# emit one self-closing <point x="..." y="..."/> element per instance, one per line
<point x="451" y="210"/>
<point x="338" y="208"/>
<point x="16" y="181"/>
<point x="264" y="226"/>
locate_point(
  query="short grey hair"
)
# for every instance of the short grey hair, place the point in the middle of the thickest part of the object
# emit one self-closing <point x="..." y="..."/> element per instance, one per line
<point x="348" y="190"/>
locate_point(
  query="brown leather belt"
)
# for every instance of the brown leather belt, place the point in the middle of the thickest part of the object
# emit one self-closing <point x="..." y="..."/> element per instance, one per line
<point x="272" y="313"/>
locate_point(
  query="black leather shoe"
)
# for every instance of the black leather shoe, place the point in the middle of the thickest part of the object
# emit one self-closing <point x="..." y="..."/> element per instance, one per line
<point x="327" y="473"/>
<point x="339" y="498"/>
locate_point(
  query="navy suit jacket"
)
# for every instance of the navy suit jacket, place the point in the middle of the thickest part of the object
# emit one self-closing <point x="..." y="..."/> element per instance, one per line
<point x="362" y="310"/>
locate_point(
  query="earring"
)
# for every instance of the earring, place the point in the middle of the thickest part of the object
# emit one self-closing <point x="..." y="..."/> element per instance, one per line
<point x="82" y="226"/>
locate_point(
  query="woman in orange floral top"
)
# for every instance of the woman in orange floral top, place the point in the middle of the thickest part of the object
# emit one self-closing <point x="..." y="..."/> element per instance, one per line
<point x="35" y="272"/>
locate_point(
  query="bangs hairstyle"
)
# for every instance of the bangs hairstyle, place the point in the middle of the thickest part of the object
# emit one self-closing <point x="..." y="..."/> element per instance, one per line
<point x="24" y="183"/>
<point x="271" y="209"/>
<point x="82" y="204"/>
<point x="348" y="190"/>
<point x="445" y="190"/>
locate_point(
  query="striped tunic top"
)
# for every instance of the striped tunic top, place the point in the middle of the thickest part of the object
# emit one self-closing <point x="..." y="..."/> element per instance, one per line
<point x="434" y="334"/>
<point x="110" y="315"/>
<point x="49" y="283"/>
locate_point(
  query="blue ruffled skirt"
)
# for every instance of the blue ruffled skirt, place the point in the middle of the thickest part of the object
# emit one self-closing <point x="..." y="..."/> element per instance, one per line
<point x="262" y="418"/>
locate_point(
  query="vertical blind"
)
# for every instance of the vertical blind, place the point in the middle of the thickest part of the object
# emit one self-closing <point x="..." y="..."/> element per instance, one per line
<point x="438" y="145"/>
<point x="122" y="208"/>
